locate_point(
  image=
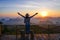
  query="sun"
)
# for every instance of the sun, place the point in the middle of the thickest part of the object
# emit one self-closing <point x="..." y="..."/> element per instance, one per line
<point x="44" y="13"/>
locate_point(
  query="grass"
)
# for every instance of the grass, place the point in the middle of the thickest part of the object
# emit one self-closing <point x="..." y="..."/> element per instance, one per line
<point x="12" y="29"/>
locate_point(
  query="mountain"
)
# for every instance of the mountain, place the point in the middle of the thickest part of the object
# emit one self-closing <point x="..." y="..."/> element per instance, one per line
<point x="34" y="21"/>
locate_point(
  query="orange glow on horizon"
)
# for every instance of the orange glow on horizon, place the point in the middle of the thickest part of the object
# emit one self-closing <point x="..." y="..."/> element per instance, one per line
<point x="43" y="13"/>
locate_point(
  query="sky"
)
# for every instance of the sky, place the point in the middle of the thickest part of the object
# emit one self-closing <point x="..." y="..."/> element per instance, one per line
<point x="9" y="8"/>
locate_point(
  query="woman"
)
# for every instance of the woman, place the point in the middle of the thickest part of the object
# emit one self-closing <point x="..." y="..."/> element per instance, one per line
<point x="27" y="21"/>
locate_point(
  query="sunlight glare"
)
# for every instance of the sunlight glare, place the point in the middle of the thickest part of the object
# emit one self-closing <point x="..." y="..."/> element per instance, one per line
<point x="44" y="13"/>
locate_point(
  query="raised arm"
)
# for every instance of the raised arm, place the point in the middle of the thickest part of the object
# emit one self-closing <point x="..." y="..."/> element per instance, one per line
<point x="34" y="15"/>
<point x="20" y="14"/>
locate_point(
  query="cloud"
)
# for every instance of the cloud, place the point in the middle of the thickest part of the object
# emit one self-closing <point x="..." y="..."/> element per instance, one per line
<point x="31" y="3"/>
<point x="27" y="6"/>
<point x="18" y="5"/>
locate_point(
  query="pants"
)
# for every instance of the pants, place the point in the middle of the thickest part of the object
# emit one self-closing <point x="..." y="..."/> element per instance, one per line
<point x="27" y="25"/>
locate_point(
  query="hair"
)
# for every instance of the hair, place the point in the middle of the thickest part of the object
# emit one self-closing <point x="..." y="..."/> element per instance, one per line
<point x="27" y="15"/>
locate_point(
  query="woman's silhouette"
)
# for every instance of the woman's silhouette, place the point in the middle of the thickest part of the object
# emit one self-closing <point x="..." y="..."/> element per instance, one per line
<point x="27" y="21"/>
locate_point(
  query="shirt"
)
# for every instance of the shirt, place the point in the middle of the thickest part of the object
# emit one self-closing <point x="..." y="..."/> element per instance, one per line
<point x="27" y="20"/>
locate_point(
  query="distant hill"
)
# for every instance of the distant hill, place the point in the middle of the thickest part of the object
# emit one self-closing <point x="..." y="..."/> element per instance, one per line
<point x="34" y="21"/>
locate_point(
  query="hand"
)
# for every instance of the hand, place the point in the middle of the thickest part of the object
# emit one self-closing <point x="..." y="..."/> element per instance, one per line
<point x="36" y="13"/>
<point x="18" y="13"/>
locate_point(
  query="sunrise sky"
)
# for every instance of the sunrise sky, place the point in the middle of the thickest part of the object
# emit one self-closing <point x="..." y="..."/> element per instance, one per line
<point x="9" y="8"/>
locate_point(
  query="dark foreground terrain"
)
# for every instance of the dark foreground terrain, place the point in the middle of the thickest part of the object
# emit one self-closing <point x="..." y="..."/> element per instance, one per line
<point x="12" y="32"/>
<point x="12" y="29"/>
